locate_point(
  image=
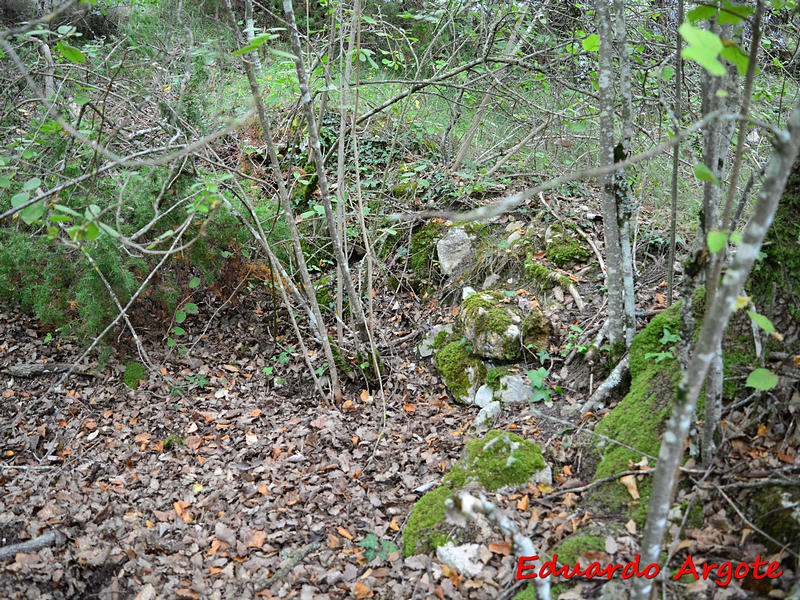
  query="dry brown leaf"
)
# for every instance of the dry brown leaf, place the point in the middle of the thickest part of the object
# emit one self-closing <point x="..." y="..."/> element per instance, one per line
<point x="504" y="549"/>
<point x="262" y="489"/>
<point x="631" y="526"/>
<point x="344" y="533"/>
<point x="629" y="481"/>
<point x="393" y="525"/>
<point x="255" y="538"/>
<point x="255" y="413"/>
<point x="361" y="591"/>
<point x="333" y="541"/>
<point x="523" y="503"/>
<point x="409" y="408"/>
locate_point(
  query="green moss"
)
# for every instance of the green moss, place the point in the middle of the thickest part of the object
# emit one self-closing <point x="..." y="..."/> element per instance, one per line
<point x="494" y="377"/>
<point x="775" y="275"/>
<point x="423" y="246"/>
<point x="324" y="291"/>
<point x="648" y="340"/>
<point x="486" y="310"/>
<point x="572" y="548"/>
<point x="338" y="359"/>
<point x="442" y="339"/>
<point x="638" y="420"/>
<point x="134" y="372"/>
<point x="404" y="189"/>
<point x="426" y="528"/>
<point x="452" y="361"/>
<point x="544" y="278"/>
<point x="776" y="513"/>
<point x="696" y="517"/>
<point x="565" y="249"/>
<point x="528" y="593"/>
<point x="499" y="459"/>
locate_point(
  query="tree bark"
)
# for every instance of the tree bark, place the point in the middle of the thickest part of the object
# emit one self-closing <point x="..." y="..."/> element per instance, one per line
<point x="610" y="213"/>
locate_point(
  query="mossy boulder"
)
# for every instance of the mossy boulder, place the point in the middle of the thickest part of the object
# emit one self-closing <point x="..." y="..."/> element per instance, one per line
<point x="462" y="372"/>
<point x="426" y="527"/>
<point x="500" y="459"/>
<point x="563" y="246"/>
<point x="497" y="329"/>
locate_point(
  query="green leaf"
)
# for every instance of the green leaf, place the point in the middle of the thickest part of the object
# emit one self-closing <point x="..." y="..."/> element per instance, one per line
<point x="700" y="13"/>
<point x="716" y="241"/>
<point x="71" y="53"/>
<point x="190" y="308"/>
<point x="257" y="42"/>
<point x="171" y="342"/>
<point x="180" y="316"/>
<point x="733" y="13"/>
<point x="5" y="182"/>
<point x="109" y="230"/>
<point x="20" y="199"/>
<point x="704" y="174"/>
<point x="66" y="209"/>
<point x="33" y="213"/>
<point x="762" y="379"/>
<point x="178" y="330"/>
<point x="667" y="73"/>
<point x="134" y="372"/>
<point x="81" y="98"/>
<point x="31" y="184"/>
<point x="762" y="321"/>
<point x="704" y="48"/>
<point x="92" y="231"/>
<point x="734" y="55"/>
<point x="591" y="43"/>
<point x="281" y="53"/>
<point x="194" y="282"/>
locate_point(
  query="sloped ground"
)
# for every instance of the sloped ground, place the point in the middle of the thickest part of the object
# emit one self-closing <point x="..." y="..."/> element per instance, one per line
<point x="236" y="488"/>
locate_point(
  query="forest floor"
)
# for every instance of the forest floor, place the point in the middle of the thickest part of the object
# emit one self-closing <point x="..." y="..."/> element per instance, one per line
<point x="232" y="487"/>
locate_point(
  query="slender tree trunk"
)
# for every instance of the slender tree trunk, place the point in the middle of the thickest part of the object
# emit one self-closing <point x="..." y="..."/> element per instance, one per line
<point x="250" y="31"/>
<point x="283" y="194"/>
<point x="624" y="200"/>
<point x="714" y="324"/>
<point x="673" y="224"/>
<point x="357" y="309"/>
<point x="610" y="212"/>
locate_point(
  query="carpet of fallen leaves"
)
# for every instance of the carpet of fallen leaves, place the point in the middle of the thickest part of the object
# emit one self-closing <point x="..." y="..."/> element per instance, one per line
<point x="212" y="481"/>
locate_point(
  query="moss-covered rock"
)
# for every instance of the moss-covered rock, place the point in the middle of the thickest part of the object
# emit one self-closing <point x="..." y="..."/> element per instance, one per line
<point x="499" y="459"/>
<point x="564" y="248"/>
<point x="496" y="329"/>
<point x="542" y="277"/>
<point x="463" y="373"/>
<point x="426" y="527"/>
<point x="423" y="247"/>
